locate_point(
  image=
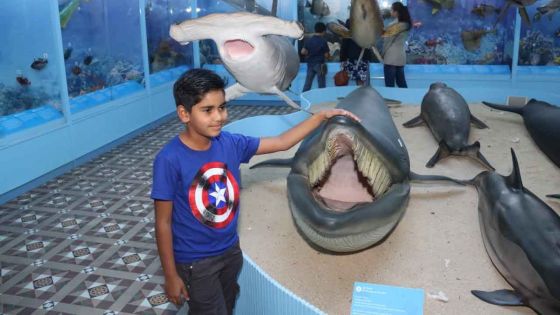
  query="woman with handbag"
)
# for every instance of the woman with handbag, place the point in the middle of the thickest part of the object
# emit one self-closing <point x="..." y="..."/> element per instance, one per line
<point x="394" y="55"/>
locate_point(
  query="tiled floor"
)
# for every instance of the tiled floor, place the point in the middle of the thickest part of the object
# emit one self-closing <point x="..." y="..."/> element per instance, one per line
<point x="83" y="243"/>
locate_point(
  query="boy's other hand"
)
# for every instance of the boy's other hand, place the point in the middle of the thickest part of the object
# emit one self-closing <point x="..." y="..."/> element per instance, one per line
<point x="176" y="290"/>
<point x="328" y="113"/>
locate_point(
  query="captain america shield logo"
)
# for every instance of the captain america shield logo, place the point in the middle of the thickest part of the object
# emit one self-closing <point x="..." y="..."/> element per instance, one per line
<point x="214" y="195"/>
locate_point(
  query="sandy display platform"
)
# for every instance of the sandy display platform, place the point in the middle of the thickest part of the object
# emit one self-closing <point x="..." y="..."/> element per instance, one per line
<point x="437" y="245"/>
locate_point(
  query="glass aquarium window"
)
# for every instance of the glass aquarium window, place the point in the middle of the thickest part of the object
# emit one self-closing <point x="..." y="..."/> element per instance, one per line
<point x="102" y="50"/>
<point x="460" y="32"/>
<point x="30" y="79"/>
<point x="540" y="39"/>
<point x="333" y="12"/>
<point x="168" y="59"/>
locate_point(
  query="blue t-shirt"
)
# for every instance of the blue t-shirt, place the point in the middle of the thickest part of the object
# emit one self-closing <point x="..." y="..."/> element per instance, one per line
<point x="204" y="188"/>
<point x="316" y="49"/>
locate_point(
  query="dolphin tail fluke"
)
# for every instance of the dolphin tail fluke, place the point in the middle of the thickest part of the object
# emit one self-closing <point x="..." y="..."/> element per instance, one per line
<point x="478" y="123"/>
<point x="514" y="179"/>
<point x="288" y="100"/>
<point x="513" y="109"/>
<point x="390" y="101"/>
<point x="416" y="121"/>
<point x="273" y="163"/>
<point x="377" y="54"/>
<point x="473" y="151"/>
<point x="422" y="178"/>
<point x="441" y="153"/>
<point x="500" y="297"/>
<point x="557" y="196"/>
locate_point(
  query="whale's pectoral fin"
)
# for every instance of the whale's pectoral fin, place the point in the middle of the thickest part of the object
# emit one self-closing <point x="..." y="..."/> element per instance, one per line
<point x="478" y="123"/>
<point x="273" y="163"/>
<point x="473" y="151"/>
<point x="557" y="196"/>
<point x="441" y="153"/>
<point x="500" y="297"/>
<point x="235" y="91"/>
<point x="282" y="95"/>
<point x="416" y="121"/>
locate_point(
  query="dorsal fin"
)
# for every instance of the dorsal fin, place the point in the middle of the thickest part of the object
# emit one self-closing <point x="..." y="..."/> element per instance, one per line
<point x="514" y="179"/>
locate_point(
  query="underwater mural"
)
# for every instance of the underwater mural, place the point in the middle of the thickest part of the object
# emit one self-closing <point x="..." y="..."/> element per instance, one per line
<point x="540" y="42"/>
<point x="163" y="52"/>
<point x="102" y="47"/>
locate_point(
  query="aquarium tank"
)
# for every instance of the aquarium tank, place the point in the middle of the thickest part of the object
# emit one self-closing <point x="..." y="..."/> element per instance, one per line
<point x="167" y="58"/>
<point x="30" y="80"/>
<point x="102" y="45"/>
<point x="540" y="38"/>
<point x="461" y="32"/>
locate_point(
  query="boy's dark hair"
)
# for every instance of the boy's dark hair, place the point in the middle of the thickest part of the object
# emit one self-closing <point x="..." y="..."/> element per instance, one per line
<point x="191" y="87"/>
<point x="320" y="27"/>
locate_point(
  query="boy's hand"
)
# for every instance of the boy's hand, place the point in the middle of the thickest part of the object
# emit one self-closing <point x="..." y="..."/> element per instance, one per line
<point x="175" y="290"/>
<point x="328" y="113"/>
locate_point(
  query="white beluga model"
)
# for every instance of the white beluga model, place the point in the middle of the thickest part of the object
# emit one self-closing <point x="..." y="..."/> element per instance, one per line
<point x="255" y="49"/>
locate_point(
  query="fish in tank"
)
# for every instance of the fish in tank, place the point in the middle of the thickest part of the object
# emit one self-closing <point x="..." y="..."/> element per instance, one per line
<point x="539" y="44"/>
<point x="461" y="32"/>
<point x="102" y="44"/>
<point x="163" y="52"/>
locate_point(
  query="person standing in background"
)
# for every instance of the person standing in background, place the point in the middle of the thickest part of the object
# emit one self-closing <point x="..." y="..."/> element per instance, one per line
<point x="394" y="37"/>
<point x="349" y="55"/>
<point x="316" y="52"/>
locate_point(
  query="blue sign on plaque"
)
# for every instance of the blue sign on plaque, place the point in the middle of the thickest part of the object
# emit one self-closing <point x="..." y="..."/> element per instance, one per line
<point x="375" y="299"/>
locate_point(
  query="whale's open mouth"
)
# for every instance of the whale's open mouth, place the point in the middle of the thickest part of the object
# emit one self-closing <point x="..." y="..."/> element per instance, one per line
<point x="238" y="49"/>
<point x="347" y="173"/>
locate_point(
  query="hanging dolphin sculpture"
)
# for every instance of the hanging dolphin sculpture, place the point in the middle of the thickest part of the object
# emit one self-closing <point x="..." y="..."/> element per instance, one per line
<point x="448" y="116"/>
<point x="521" y="235"/>
<point x="542" y="120"/>
<point x="366" y="26"/>
<point x="255" y="49"/>
<point x="349" y="182"/>
<point x="521" y="4"/>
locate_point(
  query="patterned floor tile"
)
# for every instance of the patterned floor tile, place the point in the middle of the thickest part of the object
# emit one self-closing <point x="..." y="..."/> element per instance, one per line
<point x="8" y="270"/>
<point x="34" y="246"/>
<point x="136" y="208"/>
<point x="130" y="259"/>
<point x="111" y="228"/>
<point x="57" y="200"/>
<point x="97" y="291"/>
<point x="30" y="219"/>
<point x="7" y="236"/>
<point x="146" y="234"/>
<point x="80" y="252"/>
<point x="68" y="222"/>
<point x="10" y="309"/>
<point x="150" y="299"/>
<point x="42" y="283"/>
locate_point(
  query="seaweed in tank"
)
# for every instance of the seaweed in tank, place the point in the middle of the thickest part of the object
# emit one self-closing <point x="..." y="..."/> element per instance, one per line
<point x="540" y="43"/>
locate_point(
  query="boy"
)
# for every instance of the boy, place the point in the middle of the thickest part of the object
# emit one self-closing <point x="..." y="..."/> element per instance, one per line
<point x="316" y="50"/>
<point x="196" y="194"/>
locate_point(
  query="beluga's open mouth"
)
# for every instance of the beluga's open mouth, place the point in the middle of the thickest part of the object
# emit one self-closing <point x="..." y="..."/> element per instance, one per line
<point x="346" y="173"/>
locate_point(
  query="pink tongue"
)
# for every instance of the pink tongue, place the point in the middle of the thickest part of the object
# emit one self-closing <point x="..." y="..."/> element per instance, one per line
<point x="238" y="48"/>
<point x="343" y="189"/>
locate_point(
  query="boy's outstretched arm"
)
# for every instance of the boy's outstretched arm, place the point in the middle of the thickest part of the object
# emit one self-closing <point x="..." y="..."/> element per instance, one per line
<point x="174" y="285"/>
<point x="294" y="135"/>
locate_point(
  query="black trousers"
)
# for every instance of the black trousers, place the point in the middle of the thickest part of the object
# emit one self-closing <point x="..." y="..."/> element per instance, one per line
<point x="394" y="72"/>
<point x="212" y="282"/>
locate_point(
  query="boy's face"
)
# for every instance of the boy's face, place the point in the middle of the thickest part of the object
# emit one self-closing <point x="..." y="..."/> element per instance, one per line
<point x="208" y="116"/>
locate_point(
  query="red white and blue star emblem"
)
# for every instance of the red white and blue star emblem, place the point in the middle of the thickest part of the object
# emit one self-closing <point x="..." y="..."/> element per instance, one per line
<point x="214" y="195"/>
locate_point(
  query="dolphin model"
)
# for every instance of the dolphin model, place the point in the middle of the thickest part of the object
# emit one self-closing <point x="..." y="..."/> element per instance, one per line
<point x="542" y="120"/>
<point x="521" y="235"/>
<point x="557" y="196"/>
<point x="366" y="26"/>
<point x="349" y="182"/>
<point x="254" y="48"/>
<point x="447" y="115"/>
